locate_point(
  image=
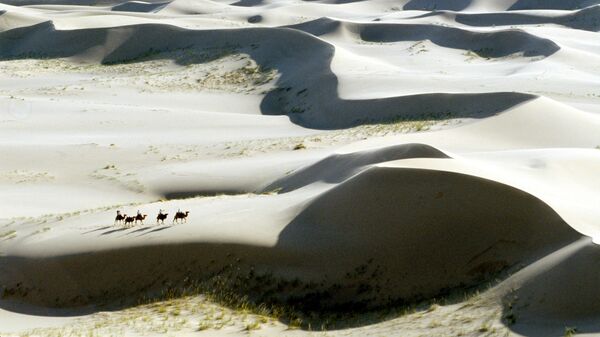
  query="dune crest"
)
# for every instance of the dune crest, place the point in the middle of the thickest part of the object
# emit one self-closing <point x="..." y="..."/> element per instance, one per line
<point x="405" y="168"/>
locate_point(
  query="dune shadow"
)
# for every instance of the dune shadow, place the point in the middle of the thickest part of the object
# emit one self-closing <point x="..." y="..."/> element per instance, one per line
<point x="306" y="90"/>
<point x="432" y="5"/>
<point x="339" y="167"/>
<point x="248" y="3"/>
<point x="57" y="2"/>
<point x="586" y="19"/>
<point x="233" y="275"/>
<point x="390" y="218"/>
<point x="558" y="292"/>
<point x="201" y="193"/>
<point x="139" y="7"/>
<point x="493" y="44"/>
<point x="45" y="311"/>
<point x="552" y="4"/>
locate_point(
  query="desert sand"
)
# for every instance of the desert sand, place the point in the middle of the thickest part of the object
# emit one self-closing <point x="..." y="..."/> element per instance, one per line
<point x="362" y="168"/>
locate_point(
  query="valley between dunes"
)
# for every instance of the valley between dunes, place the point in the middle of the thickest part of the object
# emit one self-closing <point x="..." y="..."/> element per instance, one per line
<point x="350" y="168"/>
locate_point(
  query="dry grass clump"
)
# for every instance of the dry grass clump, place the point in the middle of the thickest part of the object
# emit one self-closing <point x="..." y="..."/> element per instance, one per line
<point x="226" y="68"/>
<point x="570" y="331"/>
<point x="8" y="235"/>
<point x="332" y="138"/>
<point x="299" y="146"/>
<point x="261" y="298"/>
<point x="25" y="176"/>
<point x="237" y="73"/>
<point x="112" y="173"/>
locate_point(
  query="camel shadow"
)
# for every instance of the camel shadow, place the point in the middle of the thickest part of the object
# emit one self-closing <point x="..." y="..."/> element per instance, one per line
<point x="97" y="229"/>
<point x="155" y="230"/>
<point x="114" y="231"/>
<point x="139" y="230"/>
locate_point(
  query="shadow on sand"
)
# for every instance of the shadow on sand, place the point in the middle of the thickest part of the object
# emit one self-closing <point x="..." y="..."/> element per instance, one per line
<point x="98" y="229"/>
<point x="114" y="231"/>
<point x="307" y="88"/>
<point x="241" y="274"/>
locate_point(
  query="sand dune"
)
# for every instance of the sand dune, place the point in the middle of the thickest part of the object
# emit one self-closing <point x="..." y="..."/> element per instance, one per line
<point x="460" y="5"/>
<point x="506" y="236"/>
<point x="408" y="168"/>
<point x="496" y="44"/>
<point x="134" y="42"/>
<point x="139" y="6"/>
<point x="389" y="227"/>
<point x="537" y="4"/>
<point x="575" y="300"/>
<point x="585" y="19"/>
<point x="556" y="126"/>
<point x="338" y="168"/>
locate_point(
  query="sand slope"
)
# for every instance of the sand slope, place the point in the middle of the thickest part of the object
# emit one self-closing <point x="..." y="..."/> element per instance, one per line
<point x="335" y="156"/>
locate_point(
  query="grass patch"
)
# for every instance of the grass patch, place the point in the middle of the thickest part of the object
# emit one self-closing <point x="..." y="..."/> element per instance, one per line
<point x="252" y="326"/>
<point x="570" y="331"/>
<point x="8" y="235"/>
<point x="299" y="146"/>
<point x="307" y="305"/>
<point x="204" y="326"/>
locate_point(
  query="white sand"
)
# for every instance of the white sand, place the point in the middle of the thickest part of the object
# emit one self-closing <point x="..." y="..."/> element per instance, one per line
<point x="375" y="151"/>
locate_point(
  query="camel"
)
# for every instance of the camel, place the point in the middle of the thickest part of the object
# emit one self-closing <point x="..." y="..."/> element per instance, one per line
<point x="161" y="217"/>
<point x="139" y="217"/>
<point x="120" y="217"/>
<point x="181" y="216"/>
<point x="129" y="220"/>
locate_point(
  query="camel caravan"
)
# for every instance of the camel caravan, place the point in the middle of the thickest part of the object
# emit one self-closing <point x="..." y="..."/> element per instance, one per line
<point x="129" y="221"/>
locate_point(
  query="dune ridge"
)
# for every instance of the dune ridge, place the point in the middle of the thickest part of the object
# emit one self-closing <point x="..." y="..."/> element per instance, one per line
<point x="584" y="19"/>
<point x="389" y="227"/>
<point x="408" y="168"/>
<point x="128" y="44"/>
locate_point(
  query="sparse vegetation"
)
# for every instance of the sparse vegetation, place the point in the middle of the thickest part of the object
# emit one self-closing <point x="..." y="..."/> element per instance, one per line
<point x="112" y="173"/>
<point x="249" y="75"/>
<point x="39" y="231"/>
<point x="484" y="328"/>
<point x="330" y="138"/>
<point x="25" y="176"/>
<point x="299" y="146"/>
<point x="570" y="331"/>
<point x="8" y="235"/>
<point x="510" y="318"/>
<point x="226" y="68"/>
<point x="204" y="326"/>
<point x="252" y="326"/>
